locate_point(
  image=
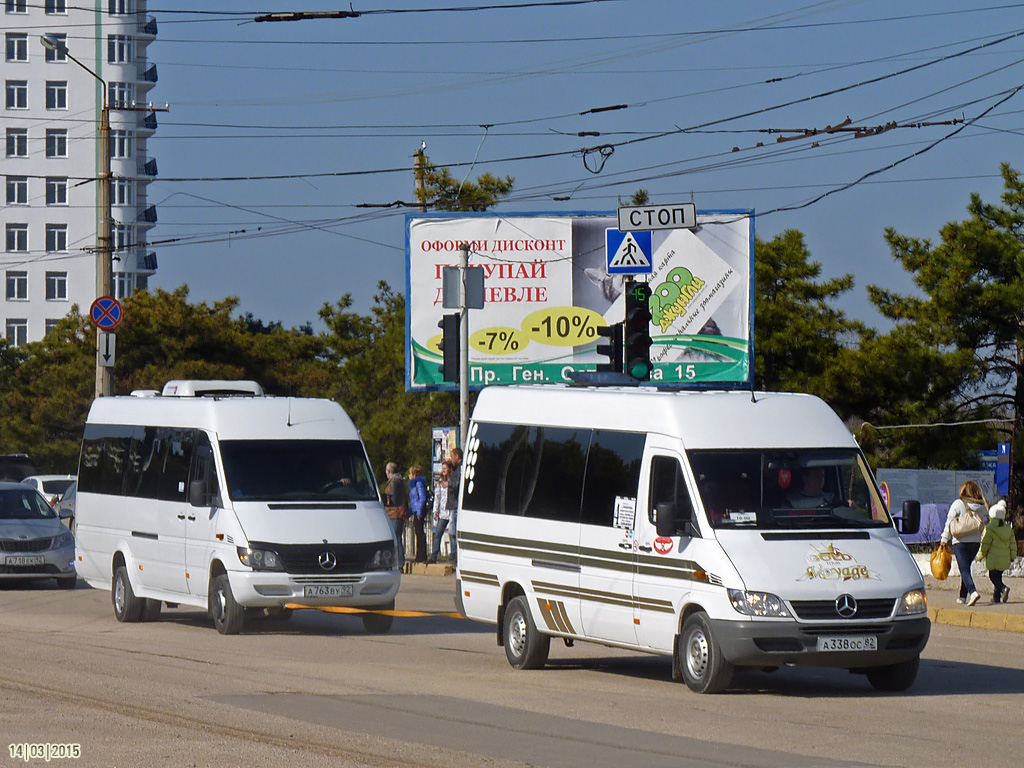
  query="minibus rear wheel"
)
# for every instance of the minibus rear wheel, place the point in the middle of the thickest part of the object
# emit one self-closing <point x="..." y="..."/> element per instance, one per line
<point x="127" y="607"/>
<point x="525" y="647"/>
<point x="228" y="616"/>
<point x="704" y="668"/>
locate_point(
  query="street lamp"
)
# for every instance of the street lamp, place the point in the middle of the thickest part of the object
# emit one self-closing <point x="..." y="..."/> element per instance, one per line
<point x="104" y="218"/>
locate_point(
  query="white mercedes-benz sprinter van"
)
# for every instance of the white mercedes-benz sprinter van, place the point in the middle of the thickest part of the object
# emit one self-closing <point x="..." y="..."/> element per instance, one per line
<point x="722" y="529"/>
<point x="213" y="495"/>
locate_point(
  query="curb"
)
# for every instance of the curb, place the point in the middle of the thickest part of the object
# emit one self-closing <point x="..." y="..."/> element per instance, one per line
<point x="429" y="569"/>
<point x="1005" y="622"/>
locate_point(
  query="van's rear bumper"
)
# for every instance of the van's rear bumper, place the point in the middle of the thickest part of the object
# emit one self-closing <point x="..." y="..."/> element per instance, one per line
<point x="761" y="644"/>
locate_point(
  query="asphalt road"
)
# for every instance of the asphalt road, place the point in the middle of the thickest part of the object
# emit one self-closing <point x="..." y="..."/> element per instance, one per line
<point x="437" y="691"/>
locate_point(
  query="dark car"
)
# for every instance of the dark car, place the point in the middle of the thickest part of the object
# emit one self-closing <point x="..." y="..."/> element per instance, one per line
<point x="34" y="544"/>
<point x="15" y="467"/>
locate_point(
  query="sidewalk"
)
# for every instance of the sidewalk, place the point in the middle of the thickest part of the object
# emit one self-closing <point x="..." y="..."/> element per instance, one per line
<point x="943" y="608"/>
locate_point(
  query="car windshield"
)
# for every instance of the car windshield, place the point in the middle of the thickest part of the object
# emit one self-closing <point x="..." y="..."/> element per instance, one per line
<point x="787" y="489"/>
<point x="297" y="470"/>
<point x="56" y="486"/>
<point x="18" y="504"/>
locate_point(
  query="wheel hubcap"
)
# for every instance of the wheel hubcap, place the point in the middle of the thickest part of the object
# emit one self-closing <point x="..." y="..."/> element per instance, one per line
<point x="517" y="634"/>
<point x="219" y="605"/>
<point x="119" y="596"/>
<point x="697" y="655"/>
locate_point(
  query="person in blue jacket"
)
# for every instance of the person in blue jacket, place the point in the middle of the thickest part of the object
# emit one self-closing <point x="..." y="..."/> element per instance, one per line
<point x="418" y="507"/>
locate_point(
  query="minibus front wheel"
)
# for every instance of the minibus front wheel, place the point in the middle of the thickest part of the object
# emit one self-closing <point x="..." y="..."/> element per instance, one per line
<point x="525" y="647"/>
<point x="127" y="607"/>
<point x="700" y="658"/>
<point x="228" y="616"/>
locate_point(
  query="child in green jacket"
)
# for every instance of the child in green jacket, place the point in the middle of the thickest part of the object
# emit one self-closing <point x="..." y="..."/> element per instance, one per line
<point x="998" y="549"/>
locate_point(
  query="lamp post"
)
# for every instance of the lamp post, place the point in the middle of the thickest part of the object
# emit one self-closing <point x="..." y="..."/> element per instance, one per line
<point x="104" y="218"/>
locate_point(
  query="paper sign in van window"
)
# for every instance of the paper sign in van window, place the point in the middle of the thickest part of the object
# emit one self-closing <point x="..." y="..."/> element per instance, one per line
<point x="625" y="512"/>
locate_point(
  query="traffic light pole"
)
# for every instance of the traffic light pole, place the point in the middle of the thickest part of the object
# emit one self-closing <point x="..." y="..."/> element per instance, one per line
<point x="463" y="349"/>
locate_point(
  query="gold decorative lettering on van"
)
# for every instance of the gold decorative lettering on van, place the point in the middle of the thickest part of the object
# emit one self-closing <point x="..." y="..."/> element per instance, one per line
<point x="830" y="563"/>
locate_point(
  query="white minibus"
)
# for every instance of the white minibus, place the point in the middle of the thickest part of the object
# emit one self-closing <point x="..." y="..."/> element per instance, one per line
<point x="723" y="529"/>
<point x="213" y="495"/>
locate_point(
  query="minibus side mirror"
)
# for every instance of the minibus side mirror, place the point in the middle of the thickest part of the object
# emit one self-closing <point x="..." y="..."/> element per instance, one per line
<point x="911" y="520"/>
<point x="665" y="518"/>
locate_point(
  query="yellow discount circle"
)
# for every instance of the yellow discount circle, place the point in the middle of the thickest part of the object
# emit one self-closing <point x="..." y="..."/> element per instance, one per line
<point x="498" y="341"/>
<point x="434" y="344"/>
<point x="563" y="326"/>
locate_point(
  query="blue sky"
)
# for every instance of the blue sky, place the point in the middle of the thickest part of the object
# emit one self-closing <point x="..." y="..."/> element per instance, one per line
<point x="320" y="118"/>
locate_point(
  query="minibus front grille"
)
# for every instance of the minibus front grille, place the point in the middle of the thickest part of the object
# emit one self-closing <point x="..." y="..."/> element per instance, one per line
<point x="25" y="545"/>
<point x="822" y="610"/>
<point x="324" y="559"/>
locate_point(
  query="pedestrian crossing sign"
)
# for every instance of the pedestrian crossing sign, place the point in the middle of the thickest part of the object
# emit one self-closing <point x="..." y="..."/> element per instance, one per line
<point x="629" y="253"/>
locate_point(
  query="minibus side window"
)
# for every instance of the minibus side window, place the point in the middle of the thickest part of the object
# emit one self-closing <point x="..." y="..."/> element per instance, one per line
<point x="177" y="460"/>
<point x="668" y="485"/>
<point x="203" y="468"/>
<point x="613" y="471"/>
<point x="145" y="465"/>
<point x="104" y="456"/>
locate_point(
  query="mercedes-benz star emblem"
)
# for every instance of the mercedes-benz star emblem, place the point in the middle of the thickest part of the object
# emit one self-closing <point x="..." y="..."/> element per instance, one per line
<point x="846" y="606"/>
<point x="328" y="561"/>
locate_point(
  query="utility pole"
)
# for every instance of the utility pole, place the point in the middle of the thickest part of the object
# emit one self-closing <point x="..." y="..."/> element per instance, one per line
<point x="421" y="173"/>
<point x="104" y="217"/>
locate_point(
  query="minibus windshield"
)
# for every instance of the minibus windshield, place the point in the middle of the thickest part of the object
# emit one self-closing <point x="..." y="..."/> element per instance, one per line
<point x="297" y="470"/>
<point x="787" y="489"/>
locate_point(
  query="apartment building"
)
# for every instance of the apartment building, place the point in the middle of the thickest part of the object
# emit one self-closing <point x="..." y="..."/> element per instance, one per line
<point x="51" y="116"/>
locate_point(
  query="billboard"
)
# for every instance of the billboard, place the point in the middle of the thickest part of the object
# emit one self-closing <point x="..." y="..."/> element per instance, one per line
<point x="547" y="288"/>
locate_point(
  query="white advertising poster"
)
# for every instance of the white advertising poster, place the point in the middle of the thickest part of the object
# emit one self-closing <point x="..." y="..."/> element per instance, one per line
<point x="547" y="290"/>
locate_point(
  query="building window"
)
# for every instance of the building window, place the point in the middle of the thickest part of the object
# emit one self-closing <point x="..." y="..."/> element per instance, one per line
<point x="121" y="7"/>
<point x="17" y="286"/>
<point x="120" y="49"/>
<point x="17" y="46"/>
<point x="124" y="237"/>
<point x="57" y="286"/>
<point x="56" y="142"/>
<point x="121" y="95"/>
<point x="50" y="325"/>
<point x="17" y="239"/>
<point x="16" y="6"/>
<point x="17" y="331"/>
<point x="122" y="143"/>
<point x="124" y="284"/>
<point x="56" y="238"/>
<point x="56" y="94"/>
<point x="122" y="192"/>
<point x="17" y="94"/>
<point x="58" y="54"/>
<point x="57" y="190"/>
<point x="17" y="142"/>
<point x="56" y="6"/>
<point x="17" y="190"/>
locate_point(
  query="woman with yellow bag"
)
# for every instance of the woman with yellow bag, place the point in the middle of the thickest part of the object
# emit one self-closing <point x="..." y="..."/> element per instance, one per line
<point x="964" y="524"/>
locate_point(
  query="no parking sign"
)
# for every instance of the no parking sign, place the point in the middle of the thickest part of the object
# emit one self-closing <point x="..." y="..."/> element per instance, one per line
<point x="106" y="313"/>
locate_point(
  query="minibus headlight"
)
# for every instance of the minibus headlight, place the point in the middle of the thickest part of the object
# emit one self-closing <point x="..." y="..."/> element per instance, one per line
<point x="384" y="559"/>
<point x="259" y="559"/>
<point x="64" y="540"/>
<point x="913" y="603"/>
<point x="758" y="604"/>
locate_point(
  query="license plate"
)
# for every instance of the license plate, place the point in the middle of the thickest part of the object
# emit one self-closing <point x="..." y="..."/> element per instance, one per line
<point x="24" y="560"/>
<point x="848" y="643"/>
<point x="327" y="590"/>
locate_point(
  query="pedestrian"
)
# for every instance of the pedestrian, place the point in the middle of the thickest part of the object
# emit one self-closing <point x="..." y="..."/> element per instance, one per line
<point x="396" y="504"/>
<point x="418" y="509"/>
<point x="441" y="514"/>
<point x="965" y="534"/>
<point x="454" y="482"/>
<point x="998" y="549"/>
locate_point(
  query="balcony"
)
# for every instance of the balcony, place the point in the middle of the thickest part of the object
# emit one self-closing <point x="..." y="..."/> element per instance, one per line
<point x="146" y="263"/>
<point x="149" y="76"/>
<point x="147" y="28"/>
<point x="147" y="168"/>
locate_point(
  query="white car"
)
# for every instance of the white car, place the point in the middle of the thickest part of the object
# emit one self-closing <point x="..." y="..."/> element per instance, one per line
<point x="52" y="487"/>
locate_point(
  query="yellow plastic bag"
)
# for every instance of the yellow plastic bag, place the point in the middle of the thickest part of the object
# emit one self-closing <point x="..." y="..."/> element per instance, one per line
<point x="942" y="558"/>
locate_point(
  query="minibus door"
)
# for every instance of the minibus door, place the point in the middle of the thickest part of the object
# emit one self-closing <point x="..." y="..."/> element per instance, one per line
<point x="204" y="503"/>
<point x="664" y="570"/>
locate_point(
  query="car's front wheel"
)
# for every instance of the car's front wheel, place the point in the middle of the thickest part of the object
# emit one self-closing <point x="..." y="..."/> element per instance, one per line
<point x="894" y="677"/>
<point x="127" y="607"/>
<point x="228" y="616"/>
<point x="704" y="668"/>
<point x="525" y="646"/>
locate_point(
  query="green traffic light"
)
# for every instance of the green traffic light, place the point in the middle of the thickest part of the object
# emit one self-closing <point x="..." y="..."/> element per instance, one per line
<point x="640" y="369"/>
